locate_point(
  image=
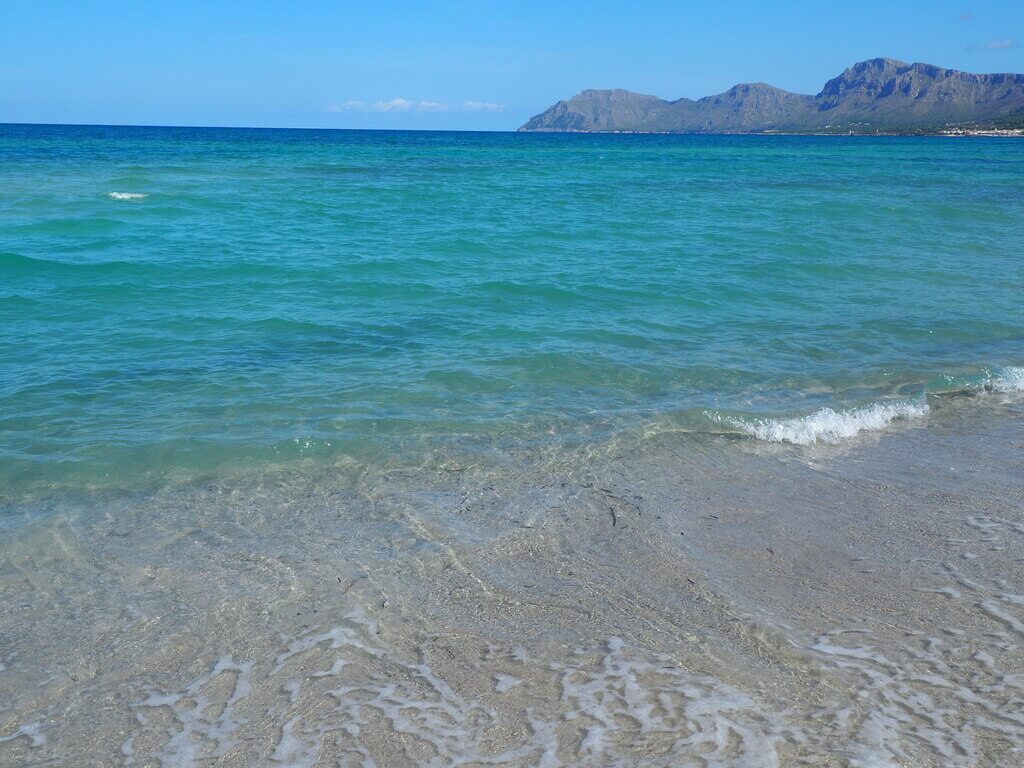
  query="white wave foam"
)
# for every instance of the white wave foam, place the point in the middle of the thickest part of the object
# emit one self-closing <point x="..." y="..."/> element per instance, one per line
<point x="32" y="731"/>
<point x="830" y="426"/>
<point x="196" y="729"/>
<point x="1009" y="379"/>
<point x="126" y="195"/>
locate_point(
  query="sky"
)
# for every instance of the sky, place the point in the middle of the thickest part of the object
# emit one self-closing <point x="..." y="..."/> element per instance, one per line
<point x="461" y="65"/>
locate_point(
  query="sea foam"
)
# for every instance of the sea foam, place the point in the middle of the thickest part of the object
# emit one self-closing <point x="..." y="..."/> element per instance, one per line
<point x="126" y="195"/>
<point x="1009" y="379"/>
<point x="831" y="426"/>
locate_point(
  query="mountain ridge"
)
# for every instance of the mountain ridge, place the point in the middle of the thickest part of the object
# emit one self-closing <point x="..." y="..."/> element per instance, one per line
<point x="875" y="95"/>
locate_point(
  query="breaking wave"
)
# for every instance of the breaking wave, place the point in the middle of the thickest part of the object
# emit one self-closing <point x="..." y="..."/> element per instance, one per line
<point x="830" y="426"/>
<point x="1009" y="379"/>
<point x="126" y="195"/>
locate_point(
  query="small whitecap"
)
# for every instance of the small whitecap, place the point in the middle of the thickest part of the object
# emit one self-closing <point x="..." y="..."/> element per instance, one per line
<point x="1009" y="379"/>
<point x="831" y="426"/>
<point x="126" y="195"/>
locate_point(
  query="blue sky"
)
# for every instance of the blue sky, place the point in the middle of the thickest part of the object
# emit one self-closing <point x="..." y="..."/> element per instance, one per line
<point x="468" y="64"/>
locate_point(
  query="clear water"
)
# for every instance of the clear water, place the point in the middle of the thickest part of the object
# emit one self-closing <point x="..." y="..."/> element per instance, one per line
<point x="427" y="449"/>
<point x="178" y="301"/>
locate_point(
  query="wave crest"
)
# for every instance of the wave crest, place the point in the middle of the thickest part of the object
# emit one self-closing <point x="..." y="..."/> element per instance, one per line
<point x="830" y="426"/>
<point x="126" y="195"/>
<point x="1009" y="379"/>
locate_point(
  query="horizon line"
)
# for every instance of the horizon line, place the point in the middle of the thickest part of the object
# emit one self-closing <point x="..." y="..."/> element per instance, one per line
<point x="251" y="127"/>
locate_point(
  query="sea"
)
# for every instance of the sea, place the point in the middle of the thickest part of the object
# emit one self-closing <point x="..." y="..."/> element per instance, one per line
<point x="388" y="448"/>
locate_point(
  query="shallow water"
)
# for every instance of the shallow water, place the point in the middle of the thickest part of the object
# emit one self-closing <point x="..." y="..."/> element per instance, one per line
<point x="681" y="600"/>
<point x="398" y="450"/>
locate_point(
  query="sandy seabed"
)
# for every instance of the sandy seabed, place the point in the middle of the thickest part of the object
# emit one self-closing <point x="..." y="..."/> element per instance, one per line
<point x="680" y="601"/>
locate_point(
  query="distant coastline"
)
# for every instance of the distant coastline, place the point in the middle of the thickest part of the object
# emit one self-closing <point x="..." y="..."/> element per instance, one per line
<point x="874" y="97"/>
<point x="953" y="132"/>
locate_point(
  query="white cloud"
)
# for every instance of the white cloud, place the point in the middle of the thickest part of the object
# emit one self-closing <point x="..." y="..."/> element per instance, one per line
<point x="410" y="105"/>
<point x="481" y="106"/>
<point x="395" y="105"/>
<point x="998" y="45"/>
<point x="349" y="106"/>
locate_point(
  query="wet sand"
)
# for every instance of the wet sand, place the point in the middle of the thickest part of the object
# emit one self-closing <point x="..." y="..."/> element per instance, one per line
<point x="675" y="600"/>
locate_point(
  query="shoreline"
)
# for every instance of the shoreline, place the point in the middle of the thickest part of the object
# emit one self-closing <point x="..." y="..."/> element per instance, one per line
<point x="824" y="425"/>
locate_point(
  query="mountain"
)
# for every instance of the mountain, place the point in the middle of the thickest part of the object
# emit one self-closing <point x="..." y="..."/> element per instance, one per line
<point x="876" y="95"/>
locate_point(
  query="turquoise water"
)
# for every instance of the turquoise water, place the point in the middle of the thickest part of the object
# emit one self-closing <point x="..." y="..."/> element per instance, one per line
<point x="176" y="301"/>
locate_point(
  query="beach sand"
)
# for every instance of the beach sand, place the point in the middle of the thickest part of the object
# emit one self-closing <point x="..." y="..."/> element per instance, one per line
<point x="678" y="600"/>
